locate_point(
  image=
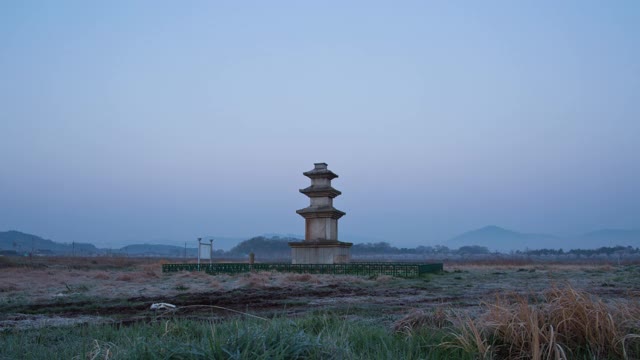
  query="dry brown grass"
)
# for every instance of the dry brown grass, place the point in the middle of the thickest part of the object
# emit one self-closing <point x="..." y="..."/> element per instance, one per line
<point x="102" y="275"/>
<point x="151" y="270"/>
<point x="80" y="262"/>
<point x="470" y="338"/>
<point x="510" y="261"/>
<point x="384" y="278"/>
<point x="418" y="319"/>
<point x="257" y="279"/>
<point x="125" y="277"/>
<point x="529" y="267"/>
<point x="564" y="323"/>
<point x="299" y="277"/>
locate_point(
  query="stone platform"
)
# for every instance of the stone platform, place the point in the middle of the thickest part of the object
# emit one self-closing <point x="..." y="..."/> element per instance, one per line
<point x="320" y="252"/>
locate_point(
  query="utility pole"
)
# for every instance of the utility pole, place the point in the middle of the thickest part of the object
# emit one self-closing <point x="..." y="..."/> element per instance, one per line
<point x="185" y="249"/>
<point x="210" y="251"/>
<point x="199" y="246"/>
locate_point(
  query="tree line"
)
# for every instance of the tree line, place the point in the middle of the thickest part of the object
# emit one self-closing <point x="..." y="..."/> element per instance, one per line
<point x="279" y="246"/>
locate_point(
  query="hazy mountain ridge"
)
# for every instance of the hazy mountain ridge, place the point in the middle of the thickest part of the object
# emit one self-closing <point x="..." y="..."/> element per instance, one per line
<point x="499" y="239"/>
<point x="25" y="243"/>
<point x="491" y="237"/>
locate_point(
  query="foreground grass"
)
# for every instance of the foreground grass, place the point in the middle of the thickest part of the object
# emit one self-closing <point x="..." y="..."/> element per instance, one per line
<point x="311" y="337"/>
<point x="534" y="312"/>
<point x="513" y="332"/>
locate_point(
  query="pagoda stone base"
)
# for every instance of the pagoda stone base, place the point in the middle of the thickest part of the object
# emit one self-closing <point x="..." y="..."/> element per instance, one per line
<point x="320" y="252"/>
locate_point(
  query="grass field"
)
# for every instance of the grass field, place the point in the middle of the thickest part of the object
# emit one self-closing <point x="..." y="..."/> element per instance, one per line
<point x="99" y="308"/>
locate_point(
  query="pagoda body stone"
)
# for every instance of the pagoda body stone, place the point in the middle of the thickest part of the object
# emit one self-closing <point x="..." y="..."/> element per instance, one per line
<point x="320" y="245"/>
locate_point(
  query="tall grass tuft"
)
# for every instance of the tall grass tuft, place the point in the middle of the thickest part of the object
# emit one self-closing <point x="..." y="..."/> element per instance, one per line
<point x="418" y="319"/>
<point x="565" y="323"/>
<point x="469" y="338"/>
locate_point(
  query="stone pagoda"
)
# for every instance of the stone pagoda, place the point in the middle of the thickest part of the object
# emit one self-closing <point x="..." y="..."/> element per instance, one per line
<point x="320" y="245"/>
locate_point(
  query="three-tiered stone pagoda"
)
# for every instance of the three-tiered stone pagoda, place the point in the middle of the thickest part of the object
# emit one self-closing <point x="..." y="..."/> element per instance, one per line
<point x="320" y="245"/>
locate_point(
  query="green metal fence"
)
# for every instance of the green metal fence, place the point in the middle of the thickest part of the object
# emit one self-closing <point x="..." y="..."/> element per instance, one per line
<point x="368" y="269"/>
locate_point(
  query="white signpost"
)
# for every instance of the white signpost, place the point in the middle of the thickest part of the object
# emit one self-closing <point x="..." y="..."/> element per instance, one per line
<point x="205" y="251"/>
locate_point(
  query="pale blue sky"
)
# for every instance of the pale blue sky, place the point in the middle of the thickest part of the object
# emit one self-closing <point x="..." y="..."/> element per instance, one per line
<point x="131" y="121"/>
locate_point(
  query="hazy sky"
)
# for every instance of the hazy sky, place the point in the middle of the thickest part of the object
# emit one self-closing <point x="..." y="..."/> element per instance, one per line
<point x="129" y="121"/>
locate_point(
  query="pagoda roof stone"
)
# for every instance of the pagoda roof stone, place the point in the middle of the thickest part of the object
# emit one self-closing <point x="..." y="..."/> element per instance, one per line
<point x="320" y="191"/>
<point x="320" y="171"/>
<point x="321" y="212"/>
<point x="319" y="243"/>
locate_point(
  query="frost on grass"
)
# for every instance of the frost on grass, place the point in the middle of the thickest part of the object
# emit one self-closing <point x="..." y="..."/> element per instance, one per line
<point x="24" y="321"/>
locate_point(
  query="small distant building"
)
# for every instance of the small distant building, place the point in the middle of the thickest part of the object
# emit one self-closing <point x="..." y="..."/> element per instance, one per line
<point x="320" y="245"/>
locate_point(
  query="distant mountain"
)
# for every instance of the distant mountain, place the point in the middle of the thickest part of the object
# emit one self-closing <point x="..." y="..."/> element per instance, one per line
<point x="496" y="238"/>
<point x="608" y="237"/>
<point x="26" y="243"/>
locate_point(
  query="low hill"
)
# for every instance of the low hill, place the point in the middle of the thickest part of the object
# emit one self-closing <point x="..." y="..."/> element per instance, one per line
<point x="264" y="247"/>
<point x="26" y="243"/>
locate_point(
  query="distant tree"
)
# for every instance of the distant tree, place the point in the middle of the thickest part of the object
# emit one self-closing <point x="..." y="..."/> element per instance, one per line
<point x="473" y="249"/>
<point x="544" y="252"/>
<point x="441" y="249"/>
<point x="379" y="248"/>
<point x="425" y="250"/>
